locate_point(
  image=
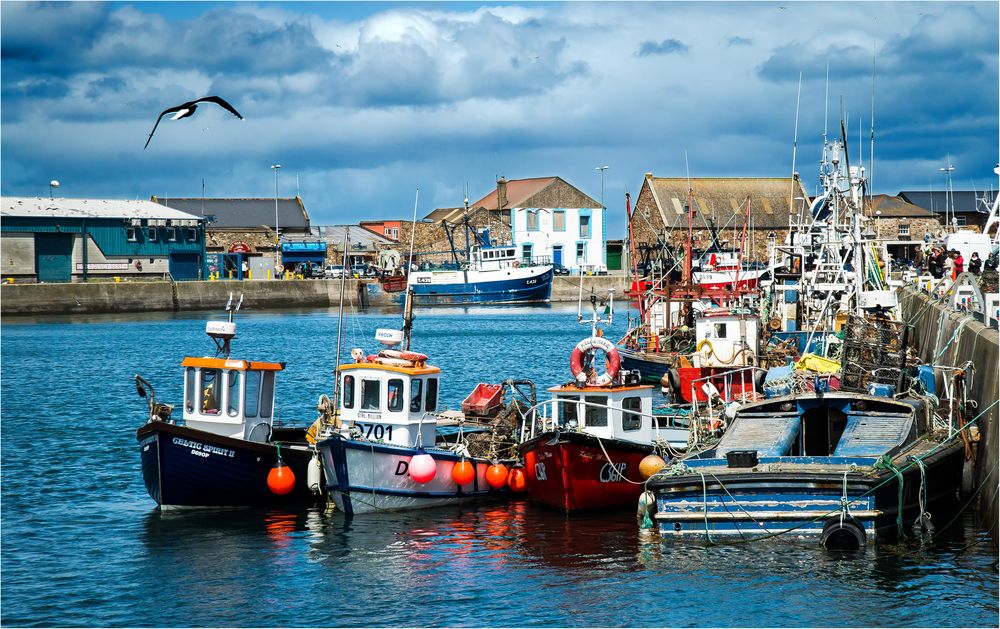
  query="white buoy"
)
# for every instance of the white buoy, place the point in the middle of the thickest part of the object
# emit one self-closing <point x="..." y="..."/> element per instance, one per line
<point x="314" y="474"/>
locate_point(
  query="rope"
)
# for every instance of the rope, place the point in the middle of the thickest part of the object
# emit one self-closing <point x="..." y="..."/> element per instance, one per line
<point x="923" y="521"/>
<point x="885" y="462"/>
<point x="704" y="505"/>
<point x="612" y="464"/>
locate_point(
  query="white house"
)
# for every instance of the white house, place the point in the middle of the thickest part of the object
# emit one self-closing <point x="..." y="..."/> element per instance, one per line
<point x="551" y="219"/>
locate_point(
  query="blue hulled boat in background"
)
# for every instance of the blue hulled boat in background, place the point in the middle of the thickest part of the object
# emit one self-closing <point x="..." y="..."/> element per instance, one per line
<point x="492" y="275"/>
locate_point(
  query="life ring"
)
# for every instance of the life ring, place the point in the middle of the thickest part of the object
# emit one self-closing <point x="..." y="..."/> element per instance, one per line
<point x="280" y="268"/>
<point x="612" y="364"/>
<point x="517" y="263"/>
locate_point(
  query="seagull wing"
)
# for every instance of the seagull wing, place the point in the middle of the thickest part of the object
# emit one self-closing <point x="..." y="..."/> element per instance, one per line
<point x="220" y="102"/>
<point x="164" y="113"/>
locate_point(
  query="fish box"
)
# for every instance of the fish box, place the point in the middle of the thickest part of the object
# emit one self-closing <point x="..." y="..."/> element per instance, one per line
<point x="741" y="458"/>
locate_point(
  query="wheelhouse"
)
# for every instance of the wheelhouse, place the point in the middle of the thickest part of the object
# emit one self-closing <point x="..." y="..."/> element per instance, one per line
<point x="390" y="404"/>
<point x="231" y="398"/>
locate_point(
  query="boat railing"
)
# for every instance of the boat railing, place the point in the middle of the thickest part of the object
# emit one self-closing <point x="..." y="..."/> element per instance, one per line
<point x="544" y="417"/>
<point x="742" y="375"/>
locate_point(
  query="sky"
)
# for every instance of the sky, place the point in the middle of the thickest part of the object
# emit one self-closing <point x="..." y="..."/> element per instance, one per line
<point x="365" y="103"/>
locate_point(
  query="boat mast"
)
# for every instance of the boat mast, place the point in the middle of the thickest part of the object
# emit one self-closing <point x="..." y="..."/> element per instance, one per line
<point x="408" y="305"/>
<point x="635" y="263"/>
<point x="340" y="319"/>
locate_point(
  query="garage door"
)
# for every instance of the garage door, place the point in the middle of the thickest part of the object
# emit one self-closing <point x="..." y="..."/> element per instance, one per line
<point x="184" y="266"/>
<point x="54" y="257"/>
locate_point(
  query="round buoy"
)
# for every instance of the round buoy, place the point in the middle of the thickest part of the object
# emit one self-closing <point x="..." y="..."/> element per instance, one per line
<point x="463" y="472"/>
<point x="496" y="475"/>
<point x="650" y="465"/>
<point x="516" y="480"/>
<point x="281" y="479"/>
<point x="422" y="467"/>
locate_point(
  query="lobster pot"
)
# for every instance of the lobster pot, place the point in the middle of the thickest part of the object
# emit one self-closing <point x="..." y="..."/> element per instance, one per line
<point x="873" y="352"/>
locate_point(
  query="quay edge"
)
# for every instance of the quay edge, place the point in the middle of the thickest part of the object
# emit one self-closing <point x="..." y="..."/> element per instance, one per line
<point x="131" y="296"/>
<point x="944" y="336"/>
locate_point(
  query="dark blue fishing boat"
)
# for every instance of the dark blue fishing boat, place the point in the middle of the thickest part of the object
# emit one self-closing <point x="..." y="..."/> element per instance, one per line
<point x="492" y="275"/>
<point x="226" y="451"/>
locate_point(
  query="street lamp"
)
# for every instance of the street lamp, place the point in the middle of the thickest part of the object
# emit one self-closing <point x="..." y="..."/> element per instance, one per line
<point x="52" y="185"/>
<point x="947" y="171"/>
<point x="602" y="169"/>
<point x="277" y="249"/>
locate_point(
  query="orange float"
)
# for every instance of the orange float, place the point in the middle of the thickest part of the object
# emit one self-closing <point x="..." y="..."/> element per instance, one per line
<point x="463" y="472"/>
<point x="516" y="480"/>
<point x="281" y="479"/>
<point x="496" y="475"/>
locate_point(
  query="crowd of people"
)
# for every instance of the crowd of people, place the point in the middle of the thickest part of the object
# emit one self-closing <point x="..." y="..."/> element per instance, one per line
<point x="941" y="263"/>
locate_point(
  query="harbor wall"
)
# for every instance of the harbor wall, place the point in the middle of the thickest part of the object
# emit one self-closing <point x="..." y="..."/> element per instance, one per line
<point x="102" y="297"/>
<point x="945" y="337"/>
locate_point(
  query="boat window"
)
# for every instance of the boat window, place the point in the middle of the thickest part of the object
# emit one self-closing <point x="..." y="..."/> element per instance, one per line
<point x="266" y="393"/>
<point x="596" y="415"/>
<point x="395" y="391"/>
<point x="233" y="396"/>
<point x="720" y="331"/>
<point x="251" y="393"/>
<point x="210" y="392"/>
<point x="416" y="388"/>
<point x="370" y="395"/>
<point x="631" y="419"/>
<point x="432" y="395"/>
<point x="348" y="392"/>
<point x="567" y="411"/>
<point x="189" y="375"/>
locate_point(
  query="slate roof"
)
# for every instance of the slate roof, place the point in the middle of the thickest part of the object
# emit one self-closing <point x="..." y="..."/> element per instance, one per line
<point x="965" y="201"/>
<point x="720" y="198"/>
<point x="450" y="214"/>
<point x="895" y="207"/>
<point x="360" y="237"/>
<point x="38" y="207"/>
<point x="243" y="213"/>
<point x="520" y="193"/>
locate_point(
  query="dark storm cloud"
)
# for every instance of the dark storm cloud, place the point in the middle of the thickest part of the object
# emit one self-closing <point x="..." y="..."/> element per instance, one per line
<point x="845" y="62"/>
<point x="51" y="35"/>
<point x="665" y="47"/>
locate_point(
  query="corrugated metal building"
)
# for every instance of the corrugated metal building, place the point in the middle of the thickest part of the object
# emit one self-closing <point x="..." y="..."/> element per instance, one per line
<point x="63" y="240"/>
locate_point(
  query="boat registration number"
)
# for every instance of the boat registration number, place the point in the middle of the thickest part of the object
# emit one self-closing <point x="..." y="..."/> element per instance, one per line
<point x="376" y="431"/>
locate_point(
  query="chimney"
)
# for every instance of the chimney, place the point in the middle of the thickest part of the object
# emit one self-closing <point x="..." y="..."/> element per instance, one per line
<point x="649" y="175"/>
<point x="501" y="193"/>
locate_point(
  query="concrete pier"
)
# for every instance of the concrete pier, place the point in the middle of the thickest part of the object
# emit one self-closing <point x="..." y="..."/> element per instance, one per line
<point x="34" y="299"/>
<point x="945" y="337"/>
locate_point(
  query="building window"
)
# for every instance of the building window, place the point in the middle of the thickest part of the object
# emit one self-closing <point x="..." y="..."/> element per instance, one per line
<point x="132" y="234"/>
<point x="395" y="233"/>
<point x="584" y="227"/>
<point x="559" y="221"/>
<point x="192" y="234"/>
<point x="961" y="221"/>
<point x="532" y="218"/>
<point x="631" y="417"/>
<point x="172" y="234"/>
<point x="581" y="252"/>
<point x="526" y="252"/>
<point x="152" y="234"/>
<point x="903" y="230"/>
<point x="387" y="231"/>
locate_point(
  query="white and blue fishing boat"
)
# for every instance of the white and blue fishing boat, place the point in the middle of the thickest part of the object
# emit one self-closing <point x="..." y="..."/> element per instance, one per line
<point x="491" y="275"/>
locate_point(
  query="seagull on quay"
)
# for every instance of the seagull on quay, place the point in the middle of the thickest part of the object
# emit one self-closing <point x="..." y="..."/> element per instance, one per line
<point x="187" y="110"/>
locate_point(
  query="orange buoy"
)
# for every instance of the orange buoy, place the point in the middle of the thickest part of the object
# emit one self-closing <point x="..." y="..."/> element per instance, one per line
<point x="496" y="475"/>
<point x="422" y="467"/>
<point x="650" y="465"/>
<point x="463" y="472"/>
<point x="281" y="479"/>
<point x="516" y="480"/>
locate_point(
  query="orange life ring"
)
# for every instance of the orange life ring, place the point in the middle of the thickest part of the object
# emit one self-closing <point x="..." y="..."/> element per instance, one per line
<point x="613" y="363"/>
<point x="517" y="263"/>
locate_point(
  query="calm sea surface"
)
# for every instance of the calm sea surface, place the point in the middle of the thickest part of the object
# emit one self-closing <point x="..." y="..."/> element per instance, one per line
<point x="84" y="545"/>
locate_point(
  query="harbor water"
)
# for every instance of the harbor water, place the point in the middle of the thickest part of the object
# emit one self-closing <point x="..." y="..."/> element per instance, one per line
<point x="84" y="545"/>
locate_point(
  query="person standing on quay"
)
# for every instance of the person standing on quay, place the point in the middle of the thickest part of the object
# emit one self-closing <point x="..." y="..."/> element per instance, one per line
<point x="959" y="263"/>
<point x="918" y="258"/>
<point x="975" y="263"/>
<point x="948" y="265"/>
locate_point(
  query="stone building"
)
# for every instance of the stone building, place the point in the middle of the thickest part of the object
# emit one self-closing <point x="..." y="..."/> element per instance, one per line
<point x="660" y="211"/>
<point x="431" y="242"/>
<point x="901" y="224"/>
<point x="964" y="209"/>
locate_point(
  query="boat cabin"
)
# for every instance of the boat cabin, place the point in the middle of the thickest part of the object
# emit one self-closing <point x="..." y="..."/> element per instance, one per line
<point x="388" y="403"/>
<point x="624" y="413"/>
<point x="231" y="398"/>
<point x="492" y="258"/>
<point x="726" y="339"/>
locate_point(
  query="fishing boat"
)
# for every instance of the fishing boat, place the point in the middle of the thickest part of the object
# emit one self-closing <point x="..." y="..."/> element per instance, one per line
<point x="392" y="448"/>
<point x="845" y="447"/>
<point x="227" y="449"/>
<point x="491" y="275"/>
<point x="582" y="449"/>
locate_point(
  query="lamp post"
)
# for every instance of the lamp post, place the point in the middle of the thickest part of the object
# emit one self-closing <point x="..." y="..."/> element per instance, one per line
<point x="277" y="249"/>
<point x="947" y="172"/>
<point x="602" y="169"/>
<point x="52" y="186"/>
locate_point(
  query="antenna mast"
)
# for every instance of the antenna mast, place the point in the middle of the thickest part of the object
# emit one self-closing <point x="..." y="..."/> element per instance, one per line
<point x="408" y="306"/>
<point x="795" y="141"/>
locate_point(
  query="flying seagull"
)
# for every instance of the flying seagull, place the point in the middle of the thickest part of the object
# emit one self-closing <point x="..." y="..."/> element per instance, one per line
<point x="187" y="109"/>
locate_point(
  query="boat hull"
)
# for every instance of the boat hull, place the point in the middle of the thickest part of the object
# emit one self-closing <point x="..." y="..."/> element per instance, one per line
<point x="365" y="477"/>
<point x="711" y="501"/>
<point x="570" y="471"/>
<point x="446" y="288"/>
<point x="184" y="467"/>
<point x="650" y="365"/>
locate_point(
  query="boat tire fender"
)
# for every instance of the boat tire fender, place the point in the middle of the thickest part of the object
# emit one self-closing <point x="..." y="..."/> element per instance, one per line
<point x="843" y="533"/>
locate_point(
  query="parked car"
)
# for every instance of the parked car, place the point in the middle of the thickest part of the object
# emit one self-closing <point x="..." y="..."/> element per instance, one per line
<point x="558" y="269"/>
<point x="333" y="271"/>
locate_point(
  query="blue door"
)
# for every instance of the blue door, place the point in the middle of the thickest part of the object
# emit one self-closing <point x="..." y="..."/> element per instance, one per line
<point x="557" y="254"/>
<point x="184" y="266"/>
<point x="53" y="257"/>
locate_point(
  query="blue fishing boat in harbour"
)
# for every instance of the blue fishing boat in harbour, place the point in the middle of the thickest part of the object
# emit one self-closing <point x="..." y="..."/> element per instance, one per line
<point x="492" y="275"/>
